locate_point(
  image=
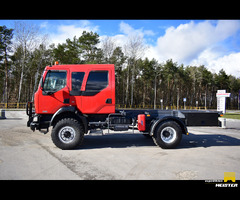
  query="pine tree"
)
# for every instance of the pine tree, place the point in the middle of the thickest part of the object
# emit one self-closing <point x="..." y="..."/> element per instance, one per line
<point x="6" y="36"/>
<point x="88" y="44"/>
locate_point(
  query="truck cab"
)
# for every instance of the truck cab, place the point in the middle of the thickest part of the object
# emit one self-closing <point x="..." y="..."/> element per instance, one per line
<point x="89" y="88"/>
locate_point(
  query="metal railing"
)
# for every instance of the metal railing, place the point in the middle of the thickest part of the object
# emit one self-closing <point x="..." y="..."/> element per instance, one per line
<point x="13" y="105"/>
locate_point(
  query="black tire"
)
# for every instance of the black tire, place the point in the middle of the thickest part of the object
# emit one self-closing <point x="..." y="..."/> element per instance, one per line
<point x="167" y="135"/>
<point x="67" y="134"/>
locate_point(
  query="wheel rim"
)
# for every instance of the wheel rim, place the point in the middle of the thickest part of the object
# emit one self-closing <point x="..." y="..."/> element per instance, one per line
<point x="66" y="134"/>
<point x="168" y="134"/>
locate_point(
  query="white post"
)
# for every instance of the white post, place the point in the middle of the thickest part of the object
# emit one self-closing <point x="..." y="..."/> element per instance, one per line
<point x="221" y="100"/>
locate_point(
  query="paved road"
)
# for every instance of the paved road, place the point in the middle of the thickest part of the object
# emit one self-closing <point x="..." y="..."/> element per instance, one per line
<point x="206" y="153"/>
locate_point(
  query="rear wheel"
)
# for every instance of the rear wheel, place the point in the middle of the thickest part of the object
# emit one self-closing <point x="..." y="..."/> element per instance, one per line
<point x="167" y="135"/>
<point x="67" y="134"/>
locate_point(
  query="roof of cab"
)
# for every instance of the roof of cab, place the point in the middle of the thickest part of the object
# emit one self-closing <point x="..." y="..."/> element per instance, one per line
<point x="82" y="66"/>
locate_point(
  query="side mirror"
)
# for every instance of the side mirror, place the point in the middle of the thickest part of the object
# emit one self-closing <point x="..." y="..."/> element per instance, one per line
<point x="41" y="84"/>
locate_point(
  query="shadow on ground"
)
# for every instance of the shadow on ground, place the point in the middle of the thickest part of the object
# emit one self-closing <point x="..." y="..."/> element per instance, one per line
<point x="198" y="140"/>
<point x="116" y="141"/>
<point x="137" y="140"/>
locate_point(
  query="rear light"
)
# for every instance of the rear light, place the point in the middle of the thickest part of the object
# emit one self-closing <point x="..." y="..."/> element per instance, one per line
<point x="141" y="122"/>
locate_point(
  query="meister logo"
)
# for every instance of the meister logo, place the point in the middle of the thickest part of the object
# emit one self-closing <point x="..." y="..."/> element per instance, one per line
<point x="229" y="180"/>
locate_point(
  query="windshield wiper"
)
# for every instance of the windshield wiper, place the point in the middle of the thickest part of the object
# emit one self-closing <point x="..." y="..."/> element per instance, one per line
<point x="49" y="92"/>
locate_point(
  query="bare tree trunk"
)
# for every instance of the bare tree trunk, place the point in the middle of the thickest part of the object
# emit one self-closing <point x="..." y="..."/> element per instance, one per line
<point x="35" y="82"/>
<point x="21" y="79"/>
<point x="132" y="84"/>
<point x="144" y="95"/>
<point x="123" y="91"/>
<point x="20" y="85"/>
<point x="127" y="86"/>
<point x="6" y="78"/>
<point x="155" y="91"/>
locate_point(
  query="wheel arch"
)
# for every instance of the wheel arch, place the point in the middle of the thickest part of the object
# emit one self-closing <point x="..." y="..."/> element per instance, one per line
<point x="165" y="119"/>
<point x="69" y="112"/>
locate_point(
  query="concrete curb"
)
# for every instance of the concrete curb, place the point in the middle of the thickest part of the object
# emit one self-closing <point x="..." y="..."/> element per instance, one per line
<point x="7" y="114"/>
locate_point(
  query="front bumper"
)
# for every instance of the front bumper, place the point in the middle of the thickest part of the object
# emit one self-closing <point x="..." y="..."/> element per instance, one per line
<point x="30" y="113"/>
<point x="36" y="121"/>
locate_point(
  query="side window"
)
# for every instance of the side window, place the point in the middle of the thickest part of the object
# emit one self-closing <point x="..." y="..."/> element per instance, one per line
<point x="97" y="81"/>
<point x="77" y="79"/>
<point x="54" y="81"/>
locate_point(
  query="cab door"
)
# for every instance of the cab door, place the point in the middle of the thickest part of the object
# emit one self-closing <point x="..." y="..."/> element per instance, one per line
<point x="97" y="93"/>
<point x="55" y="92"/>
<point x="76" y="81"/>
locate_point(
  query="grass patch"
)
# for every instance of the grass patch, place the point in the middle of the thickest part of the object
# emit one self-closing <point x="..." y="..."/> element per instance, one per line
<point x="232" y="116"/>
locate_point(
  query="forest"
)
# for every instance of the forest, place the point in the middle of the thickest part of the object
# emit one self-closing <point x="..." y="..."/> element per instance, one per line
<point x="140" y="82"/>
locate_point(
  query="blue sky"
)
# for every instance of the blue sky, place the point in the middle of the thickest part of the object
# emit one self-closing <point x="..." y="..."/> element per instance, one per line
<point x="213" y="43"/>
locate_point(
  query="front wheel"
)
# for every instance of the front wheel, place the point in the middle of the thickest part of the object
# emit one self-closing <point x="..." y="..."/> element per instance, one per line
<point x="67" y="134"/>
<point x="167" y="134"/>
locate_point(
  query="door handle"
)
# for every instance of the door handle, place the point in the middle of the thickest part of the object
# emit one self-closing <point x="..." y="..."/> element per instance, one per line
<point x="109" y="101"/>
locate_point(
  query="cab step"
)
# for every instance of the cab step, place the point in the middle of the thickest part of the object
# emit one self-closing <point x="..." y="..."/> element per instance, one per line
<point x="96" y="132"/>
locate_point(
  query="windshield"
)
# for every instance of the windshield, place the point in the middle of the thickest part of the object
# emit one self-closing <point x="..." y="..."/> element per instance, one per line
<point x="54" y="81"/>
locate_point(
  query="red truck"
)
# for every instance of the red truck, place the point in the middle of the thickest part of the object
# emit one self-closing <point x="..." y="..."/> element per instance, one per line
<point x="78" y="99"/>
